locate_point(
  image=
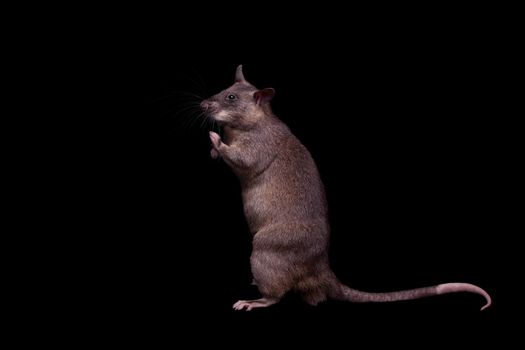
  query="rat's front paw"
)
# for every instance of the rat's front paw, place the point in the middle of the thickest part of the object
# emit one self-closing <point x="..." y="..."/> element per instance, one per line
<point x="215" y="139"/>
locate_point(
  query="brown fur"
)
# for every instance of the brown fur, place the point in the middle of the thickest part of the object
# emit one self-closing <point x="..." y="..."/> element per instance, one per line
<point x="284" y="201"/>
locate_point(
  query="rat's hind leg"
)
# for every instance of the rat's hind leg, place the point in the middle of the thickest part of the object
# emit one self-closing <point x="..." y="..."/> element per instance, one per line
<point x="253" y="304"/>
<point x="272" y="278"/>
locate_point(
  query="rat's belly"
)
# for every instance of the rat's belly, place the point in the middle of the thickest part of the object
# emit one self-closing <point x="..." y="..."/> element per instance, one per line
<point x="259" y="208"/>
<point x="267" y="204"/>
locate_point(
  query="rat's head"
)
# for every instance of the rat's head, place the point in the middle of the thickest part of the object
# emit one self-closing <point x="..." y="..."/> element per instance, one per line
<point x="241" y="106"/>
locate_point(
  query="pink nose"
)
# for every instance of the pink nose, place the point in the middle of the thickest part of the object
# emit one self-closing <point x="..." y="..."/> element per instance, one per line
<point x="205" y="105"/>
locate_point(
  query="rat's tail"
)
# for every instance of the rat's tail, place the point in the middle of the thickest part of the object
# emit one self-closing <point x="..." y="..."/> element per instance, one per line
<point x="342" y="292"/>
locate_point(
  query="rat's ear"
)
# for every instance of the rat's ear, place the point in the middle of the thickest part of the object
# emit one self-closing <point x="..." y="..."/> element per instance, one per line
<point x="264" y="95"/>
<point x="239" y="77"/>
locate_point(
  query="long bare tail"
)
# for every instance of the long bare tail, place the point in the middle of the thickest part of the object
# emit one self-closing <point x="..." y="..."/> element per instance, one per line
<point x="343" y="292"/>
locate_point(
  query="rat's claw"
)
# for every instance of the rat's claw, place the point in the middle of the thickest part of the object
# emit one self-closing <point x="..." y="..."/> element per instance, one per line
<point x="215" y="138"/>
<point x="239" y="304"/>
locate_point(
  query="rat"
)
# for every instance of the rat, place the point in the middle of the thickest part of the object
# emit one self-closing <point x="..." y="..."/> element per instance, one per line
<point x="285" y="204"/>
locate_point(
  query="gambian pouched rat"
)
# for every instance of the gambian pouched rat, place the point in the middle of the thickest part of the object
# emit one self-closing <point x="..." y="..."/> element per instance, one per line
<point x="285" y="205"/>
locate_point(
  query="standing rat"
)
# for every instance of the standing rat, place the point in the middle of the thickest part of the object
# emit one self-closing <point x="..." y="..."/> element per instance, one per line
<point x="285" y="205"/>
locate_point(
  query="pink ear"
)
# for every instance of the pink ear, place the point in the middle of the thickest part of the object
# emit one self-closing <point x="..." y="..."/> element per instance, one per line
<point x="264" y="95"/>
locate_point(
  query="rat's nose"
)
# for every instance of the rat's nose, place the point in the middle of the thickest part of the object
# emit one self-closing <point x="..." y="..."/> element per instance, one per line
<point x="205" y="105"/>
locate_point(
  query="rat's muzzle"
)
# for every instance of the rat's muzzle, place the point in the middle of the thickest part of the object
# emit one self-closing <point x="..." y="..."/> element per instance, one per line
<point x="209" y="107"/>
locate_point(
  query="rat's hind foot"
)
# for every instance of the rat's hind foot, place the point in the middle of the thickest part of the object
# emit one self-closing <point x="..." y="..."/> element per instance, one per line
<point x="253" y="304"/>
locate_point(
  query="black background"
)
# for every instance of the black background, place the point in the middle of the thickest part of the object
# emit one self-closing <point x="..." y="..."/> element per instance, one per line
<point x="405" y="133"/>
<point x="131" y="233"/>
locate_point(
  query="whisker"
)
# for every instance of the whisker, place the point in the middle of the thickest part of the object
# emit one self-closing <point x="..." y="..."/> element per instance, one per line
<point x="177" y="94"/>
<point x="189" y="102"/>
<point x="204" y="121"/>
<point x="180" y="109"/>
<point x="185" y="109"/>
<point x="187" y="93"/>
<point x="184" y="115"/>
<point x="191" y="115"/>
<point x="209" y="123"/>
<point x="193" y="121"/>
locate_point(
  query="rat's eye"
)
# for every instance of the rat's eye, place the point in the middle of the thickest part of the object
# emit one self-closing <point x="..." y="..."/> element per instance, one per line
<point x="231" y="97"/>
